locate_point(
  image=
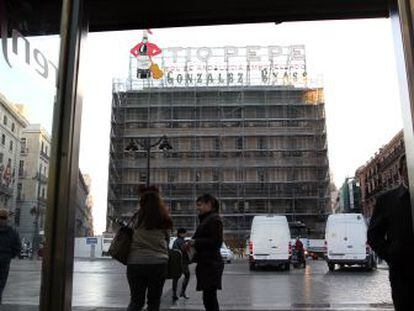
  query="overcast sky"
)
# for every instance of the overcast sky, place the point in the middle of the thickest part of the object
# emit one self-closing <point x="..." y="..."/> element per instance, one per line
<point x="355" y="59"/>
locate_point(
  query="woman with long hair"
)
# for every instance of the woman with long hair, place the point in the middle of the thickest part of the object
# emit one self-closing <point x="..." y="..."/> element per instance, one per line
<point x="207" y="241"/>
<point x="148" y="257"/>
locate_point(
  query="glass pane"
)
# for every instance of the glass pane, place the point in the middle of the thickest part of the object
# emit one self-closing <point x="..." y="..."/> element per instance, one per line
<point x="270" y="119"/>
<point x="28" y="69"/>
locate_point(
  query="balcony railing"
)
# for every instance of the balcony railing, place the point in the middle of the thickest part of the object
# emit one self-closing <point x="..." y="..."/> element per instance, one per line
<point x="44" y="155"/>
<point x="24" y="150"/>
<point x="6" y="190"/>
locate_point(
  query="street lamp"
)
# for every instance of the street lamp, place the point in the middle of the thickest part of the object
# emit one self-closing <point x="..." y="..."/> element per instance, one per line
<point x="135" y="144"/>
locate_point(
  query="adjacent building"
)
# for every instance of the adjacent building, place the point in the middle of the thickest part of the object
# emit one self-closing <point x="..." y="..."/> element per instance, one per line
<point x="89" y="205"/>
<point x="350" y="196"/>
<point x="380" y="173"/>
<point x="12" y="124"/>
<point x="24" y="169"/>
<point x="84" y="204"/>
<point x="33" y="171"/>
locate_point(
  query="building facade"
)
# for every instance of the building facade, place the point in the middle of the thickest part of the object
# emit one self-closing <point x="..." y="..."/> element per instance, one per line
<point x="33" y="170"/>
<point x="350" y="196"/>
<point x="84" y="204"/>
<point x="260" y="150"/>
<point x="380" y="173"/>
<point x="12" y="123"/>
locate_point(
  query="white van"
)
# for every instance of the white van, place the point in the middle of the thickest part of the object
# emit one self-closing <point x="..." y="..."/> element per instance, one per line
<point x="346" y="242"/>
<point x="269" y="242"/>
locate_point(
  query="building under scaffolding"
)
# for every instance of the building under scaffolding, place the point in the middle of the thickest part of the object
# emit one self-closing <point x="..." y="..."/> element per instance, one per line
<point x="261" y="149"/>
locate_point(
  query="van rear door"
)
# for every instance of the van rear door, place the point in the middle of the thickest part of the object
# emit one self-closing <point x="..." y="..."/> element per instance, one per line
<point x="337" y="235"/>
<point x="279" y="241"/>
<point x="260" y="240"/>
<point x="356" y="240"/>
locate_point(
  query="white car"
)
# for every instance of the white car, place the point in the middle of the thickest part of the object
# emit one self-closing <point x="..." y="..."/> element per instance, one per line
<point x="346" y="242"/>
<point x="226" y="253"/>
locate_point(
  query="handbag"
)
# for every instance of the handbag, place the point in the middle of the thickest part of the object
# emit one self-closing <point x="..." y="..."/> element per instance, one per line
<point x="175" y="264"/>
<point x="121" y="244"/>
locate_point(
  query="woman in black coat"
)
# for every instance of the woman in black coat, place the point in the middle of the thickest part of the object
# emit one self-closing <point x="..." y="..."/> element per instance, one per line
<point x="207" y="241"/>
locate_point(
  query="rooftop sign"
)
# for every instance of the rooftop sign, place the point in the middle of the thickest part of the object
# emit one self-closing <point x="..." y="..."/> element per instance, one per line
<point x="224" y="66"/>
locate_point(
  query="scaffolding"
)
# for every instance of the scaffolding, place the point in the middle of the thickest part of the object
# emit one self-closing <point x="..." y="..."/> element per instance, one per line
<point x="261" y="149"/>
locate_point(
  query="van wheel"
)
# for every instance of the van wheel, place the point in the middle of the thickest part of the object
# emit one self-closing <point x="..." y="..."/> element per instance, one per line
<point x="331" y="267"/>
<point x="287" y="266"/>
<point x="252" y="267"/>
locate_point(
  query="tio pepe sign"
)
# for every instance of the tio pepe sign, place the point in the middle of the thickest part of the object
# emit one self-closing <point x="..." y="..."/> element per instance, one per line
<point x="231" y="66"/>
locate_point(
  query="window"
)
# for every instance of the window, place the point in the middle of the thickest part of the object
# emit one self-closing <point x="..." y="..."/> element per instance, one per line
<point x="41" y="148"/>
<point x="13" y="127"/>
<point x="43" y="193"/>
<point x="5" y="120"/>
<point x="3" y="139"/>
<point x="1" y="158"/>
<point x="261" y="143"/>
<point x="171" y="176"/>
<point x="260" y="112"/>
<point x="198" y="176"/>
<point x="19" y="191"/>
<point x="195" y="144"/>
<point x="23" y="145"/>
<point x="261" y="176"/>
<point x="142" y="177"/>
<point x="11" y="146"/>
<point x="216" y="175"/>
<point x="217" y="143"/>
<point x="17" y="217"/>
<point x="21" y="168"/>
<point x="239" y="143"/>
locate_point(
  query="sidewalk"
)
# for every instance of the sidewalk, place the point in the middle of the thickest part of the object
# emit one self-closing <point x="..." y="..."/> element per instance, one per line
<point x="383" y="266"/>
<point x="307" y="307"/>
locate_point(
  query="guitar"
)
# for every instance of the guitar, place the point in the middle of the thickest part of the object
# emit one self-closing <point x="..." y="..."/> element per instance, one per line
<point x="157" y="73"/>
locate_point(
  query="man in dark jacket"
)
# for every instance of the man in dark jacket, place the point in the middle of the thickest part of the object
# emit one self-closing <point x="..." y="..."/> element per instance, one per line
<point x="390" y="235"/>
<point x="179" y="245"/>
<point x="207" y="241"/>
<point x="9" y="248"/>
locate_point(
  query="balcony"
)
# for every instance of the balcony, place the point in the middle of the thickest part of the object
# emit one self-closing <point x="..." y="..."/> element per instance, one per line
<point x="41" y="178"/>
<point x="44" y="155"/>
<point x="22" y="174"/>
<point x="4" y="190"/>
<point x="24" y="150"/>
<point x="42" y="200"/>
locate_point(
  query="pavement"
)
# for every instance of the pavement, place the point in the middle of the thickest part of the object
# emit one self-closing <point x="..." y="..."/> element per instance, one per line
<point x="101" y="286"/>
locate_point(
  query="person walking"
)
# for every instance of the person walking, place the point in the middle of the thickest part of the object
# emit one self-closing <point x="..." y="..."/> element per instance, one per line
<point x="207" y="241"/>
<point x="10" y="246"/>
<point x="179" y="245"/>
<point x="148" y="257"/>
<point x="390" y="234"/>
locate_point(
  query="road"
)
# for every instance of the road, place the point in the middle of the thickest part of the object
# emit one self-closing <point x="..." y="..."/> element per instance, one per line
<point x="102" y="284"/>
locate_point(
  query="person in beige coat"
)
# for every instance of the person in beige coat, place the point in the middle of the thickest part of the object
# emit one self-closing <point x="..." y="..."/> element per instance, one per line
<point x="148" y="257"/>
